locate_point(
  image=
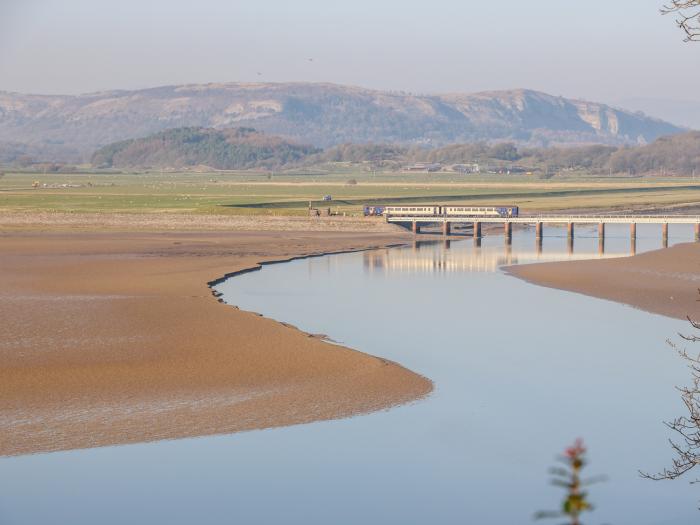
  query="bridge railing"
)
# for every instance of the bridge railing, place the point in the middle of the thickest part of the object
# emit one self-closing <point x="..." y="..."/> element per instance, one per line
<point x="545" y="218"/>
<point x="603" y="217"/>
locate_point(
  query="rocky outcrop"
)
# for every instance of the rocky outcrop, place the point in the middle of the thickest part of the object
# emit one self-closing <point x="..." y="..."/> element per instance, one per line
<point x="319" y="114"/>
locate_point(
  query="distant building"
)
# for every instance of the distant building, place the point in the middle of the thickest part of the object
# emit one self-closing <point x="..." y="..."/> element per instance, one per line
<point x="467" y="168"/>
<point x="424" y="166"/>
<point x="506" y="170"/>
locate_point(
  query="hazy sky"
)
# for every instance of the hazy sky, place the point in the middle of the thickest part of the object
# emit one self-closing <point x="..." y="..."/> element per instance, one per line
<point x="604" y="50"/>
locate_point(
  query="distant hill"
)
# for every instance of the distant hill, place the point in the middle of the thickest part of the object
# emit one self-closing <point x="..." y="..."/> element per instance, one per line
<point x="319" y="114"/>
<point x="228" y="149"/>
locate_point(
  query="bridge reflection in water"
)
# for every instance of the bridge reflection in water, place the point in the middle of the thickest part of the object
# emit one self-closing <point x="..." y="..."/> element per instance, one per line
<point x="491" y="253"/>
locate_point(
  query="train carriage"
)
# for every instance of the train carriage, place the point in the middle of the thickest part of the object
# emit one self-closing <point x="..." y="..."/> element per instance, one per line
<point x="442" y="211"/>
<point x="480" y="211"/>
<point x="412" y="211"/>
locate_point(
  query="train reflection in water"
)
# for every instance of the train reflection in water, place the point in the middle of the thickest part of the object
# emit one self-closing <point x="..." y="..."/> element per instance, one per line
<point x="464" y="256"/>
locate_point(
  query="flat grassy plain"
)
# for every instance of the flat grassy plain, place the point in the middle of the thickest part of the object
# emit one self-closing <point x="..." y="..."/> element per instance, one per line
<point x="245" y="193"/>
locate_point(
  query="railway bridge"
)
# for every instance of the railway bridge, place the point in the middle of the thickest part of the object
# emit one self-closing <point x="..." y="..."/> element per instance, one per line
<point x="415" y="223"/>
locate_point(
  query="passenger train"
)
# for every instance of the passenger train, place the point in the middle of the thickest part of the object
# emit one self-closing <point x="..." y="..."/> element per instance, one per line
<point x="441" y="211"/>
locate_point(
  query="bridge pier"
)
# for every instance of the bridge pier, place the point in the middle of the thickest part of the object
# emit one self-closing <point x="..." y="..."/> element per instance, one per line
<point x="633" y="245"/>
<point x="664" y="234"/>
<point x="538" y="230"/>
<point x="538" y="245"/>
<point x="416" y="222"/>
<point x="601" y="238"/>
<point x="570" y="245"/>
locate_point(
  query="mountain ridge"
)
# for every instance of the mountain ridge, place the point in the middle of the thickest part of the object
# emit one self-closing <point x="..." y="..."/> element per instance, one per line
<point x="322" y="114"/>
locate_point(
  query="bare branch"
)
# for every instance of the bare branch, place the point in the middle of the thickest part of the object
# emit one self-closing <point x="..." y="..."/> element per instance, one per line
<point x="687" y="17"/>
<point x="686" y="447"/>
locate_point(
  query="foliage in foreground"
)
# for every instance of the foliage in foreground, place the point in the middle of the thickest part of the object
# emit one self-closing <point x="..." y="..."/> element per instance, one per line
<point x="575" y="501"/>
<point x="687" y="17"/>
<point x="687" y="427"/>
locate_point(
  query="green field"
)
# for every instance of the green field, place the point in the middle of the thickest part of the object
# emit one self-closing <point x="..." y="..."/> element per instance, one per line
<point x="290" y="194"/>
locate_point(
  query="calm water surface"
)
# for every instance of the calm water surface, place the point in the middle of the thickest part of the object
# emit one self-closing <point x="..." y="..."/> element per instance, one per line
<point x="519" y="372"/>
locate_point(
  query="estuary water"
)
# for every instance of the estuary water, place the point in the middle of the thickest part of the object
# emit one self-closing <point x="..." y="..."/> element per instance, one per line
<point x="520" y="371"/>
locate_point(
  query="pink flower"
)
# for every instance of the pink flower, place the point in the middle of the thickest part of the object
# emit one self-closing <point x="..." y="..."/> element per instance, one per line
<point x="576" y="450"/>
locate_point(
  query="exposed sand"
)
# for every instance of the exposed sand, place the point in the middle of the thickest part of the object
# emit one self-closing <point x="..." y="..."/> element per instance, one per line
<point x="664" y="282"/>
<point x="110" y="338"/>
<point x="160" y="221"/>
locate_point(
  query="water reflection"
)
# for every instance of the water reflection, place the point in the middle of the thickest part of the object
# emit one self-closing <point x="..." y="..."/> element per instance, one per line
<point x="518" y="369"/>
<point x="487" y="254"/>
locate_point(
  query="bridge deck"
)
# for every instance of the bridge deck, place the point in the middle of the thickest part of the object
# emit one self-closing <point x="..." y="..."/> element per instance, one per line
<point x="558" y="219"/>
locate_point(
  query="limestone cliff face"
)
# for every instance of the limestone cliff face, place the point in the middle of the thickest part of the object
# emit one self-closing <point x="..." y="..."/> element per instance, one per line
<point x="601" y="118"/>
<point x="320" y="114"/>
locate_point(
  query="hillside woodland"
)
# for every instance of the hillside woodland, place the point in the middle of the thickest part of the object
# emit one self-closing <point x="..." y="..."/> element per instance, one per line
<point x="246" y="148"/>
<point x="228" y="149"/>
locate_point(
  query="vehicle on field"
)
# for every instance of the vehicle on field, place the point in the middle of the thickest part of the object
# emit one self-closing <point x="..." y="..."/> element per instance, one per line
<point x="373" y="211"/>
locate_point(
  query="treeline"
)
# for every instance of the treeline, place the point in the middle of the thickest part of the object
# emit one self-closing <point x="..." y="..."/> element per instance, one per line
<point x="246" y="148"/>
<point x="590" y="157"/>
<point x="674" y="154"/>
<point x="452" y="154"/>
<point x="678" y="154"/>
<point x="227" y="149"/>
